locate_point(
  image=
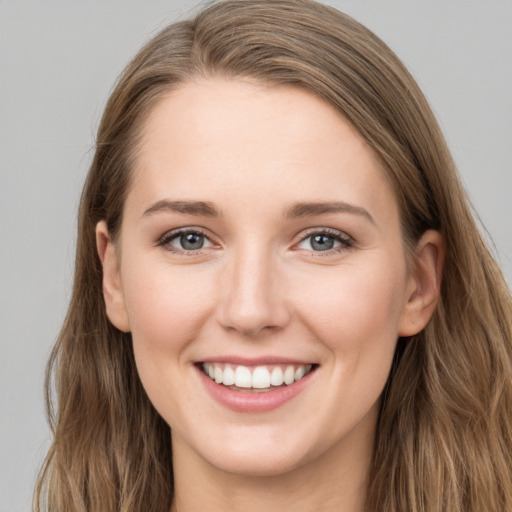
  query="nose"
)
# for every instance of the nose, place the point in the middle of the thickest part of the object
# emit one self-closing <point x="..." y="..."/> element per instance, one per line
<point x="253" y="294"/>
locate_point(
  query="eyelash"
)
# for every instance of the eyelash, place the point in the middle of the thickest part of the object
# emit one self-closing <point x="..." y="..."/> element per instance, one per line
<point x="173" y="235"/>
<point x="346" y="242"/>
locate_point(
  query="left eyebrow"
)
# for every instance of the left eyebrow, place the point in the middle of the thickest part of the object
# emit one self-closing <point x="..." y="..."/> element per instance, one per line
<point x="201" y="208"/>
<point x="323" y="208"/>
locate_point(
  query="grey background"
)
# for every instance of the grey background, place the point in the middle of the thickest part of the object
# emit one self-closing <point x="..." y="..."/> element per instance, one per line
<point x="58" y="61"/>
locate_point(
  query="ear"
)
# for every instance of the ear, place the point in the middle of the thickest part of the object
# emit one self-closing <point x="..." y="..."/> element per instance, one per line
<point x="112" y="288"/>
<point x="424" y="284"/>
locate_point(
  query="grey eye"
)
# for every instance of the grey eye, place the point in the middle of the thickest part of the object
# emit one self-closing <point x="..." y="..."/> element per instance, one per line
<point x="191" y="241"/>
<point x="322" y="242"/>
<point x="186" y="241"/>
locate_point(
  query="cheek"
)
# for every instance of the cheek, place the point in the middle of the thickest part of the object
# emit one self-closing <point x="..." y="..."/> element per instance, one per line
<point x="167" y="308"/>
<point x="354" y="307"/>
<point x="165" y="305"/>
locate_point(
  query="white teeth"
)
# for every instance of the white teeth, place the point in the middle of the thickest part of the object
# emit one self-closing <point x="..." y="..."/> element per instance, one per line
<point x="229" y="376"/>
<point x="289" y="375"/>
<point x="299" y="373"/>
<point x="261" y="377"/>
<point x="276" y="377"/>
<point x="243" y="377"/>
<point x="219" y="374"/>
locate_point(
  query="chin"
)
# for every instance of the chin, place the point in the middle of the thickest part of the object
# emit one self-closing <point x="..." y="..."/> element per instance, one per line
<point x="262" y="452"/>
<point x="261" y="464"/>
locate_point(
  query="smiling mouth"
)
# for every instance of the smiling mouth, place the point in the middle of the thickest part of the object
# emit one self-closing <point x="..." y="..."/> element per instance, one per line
<point x="257" y="379"/>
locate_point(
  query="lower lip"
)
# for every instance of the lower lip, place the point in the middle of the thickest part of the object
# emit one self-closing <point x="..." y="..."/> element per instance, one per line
<point x="253" y="402"/>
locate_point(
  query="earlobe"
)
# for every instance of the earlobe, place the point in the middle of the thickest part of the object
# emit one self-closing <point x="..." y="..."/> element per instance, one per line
<point x="112" y="286"/>
<point x="424" y="284"/>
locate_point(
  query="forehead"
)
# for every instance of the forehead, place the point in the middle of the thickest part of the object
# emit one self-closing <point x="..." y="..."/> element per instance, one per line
<point x="242" y="141"/>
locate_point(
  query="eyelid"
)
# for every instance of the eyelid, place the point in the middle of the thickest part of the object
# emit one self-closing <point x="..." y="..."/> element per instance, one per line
<point x="346" y="241"/>
<point x="166" y="238"/>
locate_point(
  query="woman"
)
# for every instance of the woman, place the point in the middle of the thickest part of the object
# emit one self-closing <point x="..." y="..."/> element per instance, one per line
<point x="281" y="298"/>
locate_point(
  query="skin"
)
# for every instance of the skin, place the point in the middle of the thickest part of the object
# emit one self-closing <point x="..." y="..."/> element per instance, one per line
<point x="258" y="287"/>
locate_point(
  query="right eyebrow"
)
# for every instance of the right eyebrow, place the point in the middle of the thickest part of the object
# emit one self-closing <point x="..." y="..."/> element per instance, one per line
<point x="307" y="209"/>
<point x="201" y="208"/>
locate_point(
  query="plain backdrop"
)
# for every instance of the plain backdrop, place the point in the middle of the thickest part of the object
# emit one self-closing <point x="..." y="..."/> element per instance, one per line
<point x="58" y="62"/>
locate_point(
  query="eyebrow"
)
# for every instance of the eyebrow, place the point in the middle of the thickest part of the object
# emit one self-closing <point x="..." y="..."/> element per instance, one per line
<point x="307" y="209"/>
<point x="202" y="208"/>
<point x="296" y="210"/>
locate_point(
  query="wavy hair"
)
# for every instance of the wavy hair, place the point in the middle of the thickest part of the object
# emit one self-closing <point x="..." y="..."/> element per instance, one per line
<point x="444" y="433"/>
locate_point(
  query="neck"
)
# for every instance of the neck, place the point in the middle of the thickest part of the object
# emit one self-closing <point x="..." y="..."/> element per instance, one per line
<point x="334" y="481"/>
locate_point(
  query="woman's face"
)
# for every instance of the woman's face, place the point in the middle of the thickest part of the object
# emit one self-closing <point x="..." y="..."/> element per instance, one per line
<point x="260" y="242"/>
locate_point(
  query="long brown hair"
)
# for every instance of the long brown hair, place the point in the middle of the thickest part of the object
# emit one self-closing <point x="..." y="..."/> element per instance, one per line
<point x="444" y="435"/>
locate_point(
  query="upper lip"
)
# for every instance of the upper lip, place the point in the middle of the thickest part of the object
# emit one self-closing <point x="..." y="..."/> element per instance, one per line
<point x="255" y="361"/>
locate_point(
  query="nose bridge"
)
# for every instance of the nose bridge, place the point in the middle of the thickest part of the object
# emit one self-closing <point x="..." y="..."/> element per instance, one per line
<point x="252" y="300"/>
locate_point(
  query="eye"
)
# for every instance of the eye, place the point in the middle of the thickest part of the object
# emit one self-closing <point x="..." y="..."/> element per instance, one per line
<point x="323" y="241"/>
<point x="189" y="240"/>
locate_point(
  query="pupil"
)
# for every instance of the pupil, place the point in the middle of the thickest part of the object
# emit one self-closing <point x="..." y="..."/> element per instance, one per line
<point x="322" y="243"/>
<point x="191" y="241"/>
